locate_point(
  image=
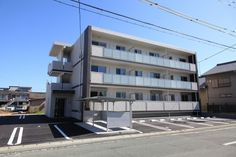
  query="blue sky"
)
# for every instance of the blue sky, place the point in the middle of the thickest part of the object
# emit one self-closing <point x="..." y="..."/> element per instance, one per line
<point x="29" y="27"/>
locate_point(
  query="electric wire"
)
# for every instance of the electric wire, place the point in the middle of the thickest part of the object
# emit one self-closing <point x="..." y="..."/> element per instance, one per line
<point x="217" y="53"/>
<point x="192" y="19"/>
<point x="138" y="25"/>
<point x="153" y="25"/>
<point x="134" y="23"/>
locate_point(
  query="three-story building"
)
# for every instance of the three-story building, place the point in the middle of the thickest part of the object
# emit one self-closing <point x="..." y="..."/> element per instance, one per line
<point x="160" y="77"/>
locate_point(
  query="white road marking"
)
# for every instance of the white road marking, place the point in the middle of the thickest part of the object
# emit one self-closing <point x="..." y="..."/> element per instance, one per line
<point x="98" y="126"/>
<point x="219" y="122"/>
<point x="66" y="137"/>
<point x="142" y="121"/>
<point x="19" y="139"/>
<point x="153" y="126"/>
<point x="181" y="125"/>
<point x="229" y="143"/>
<point x="22" y="117"/>
<point x="199" y="123"/>
<point x="162" y="120"/>
<point x="126" y="128"/>
<point x="153" y="120"/>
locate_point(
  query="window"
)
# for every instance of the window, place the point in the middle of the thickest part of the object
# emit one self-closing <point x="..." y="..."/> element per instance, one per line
<point x="138" y="51"/>
<point x="184" y="78"/>
<point x="96" y="68"/>
<point x="170" y="57"/>
<point x="155" y="97"/>
<point x="225" y="82"/>
<point x="153" y="54"/>
<point x="155" y="75"/>
<point x="138" y="96"/>
<point x="184" y="97"/>
<point x="172" y="77"/>
<point x="121" y="48"/>
<point x="138" y="73"/>
<point x="172" y="97"/>
<point x="98" y="93"/>
<point x="182" y="60"/>
<point x="98" y="43"/>
<point x="120" y="94"/>
<point x="120" y="71"/>
<point x="214" y="83"/>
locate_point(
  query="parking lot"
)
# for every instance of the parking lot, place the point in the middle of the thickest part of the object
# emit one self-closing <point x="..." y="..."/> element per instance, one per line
<point x="33" y="129"/>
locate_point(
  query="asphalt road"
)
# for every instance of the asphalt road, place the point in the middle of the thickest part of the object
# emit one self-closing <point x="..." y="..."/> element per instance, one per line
<point x="209" y="143"/>
<point x="32" y="129"/>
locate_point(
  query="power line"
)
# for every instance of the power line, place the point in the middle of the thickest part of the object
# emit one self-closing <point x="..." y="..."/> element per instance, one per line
<point x="192" y="19"/>
<point x="143" y="23"/>
<point x="79" y="19"/>
<point x="231" y="3"/>
<point x="151" y="24"/>
<point x="217" y="53"/>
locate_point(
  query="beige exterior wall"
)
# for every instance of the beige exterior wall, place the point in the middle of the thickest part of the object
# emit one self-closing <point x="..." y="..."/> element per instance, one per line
<point x="204" y="99"/>
<point x="218" y="95"/>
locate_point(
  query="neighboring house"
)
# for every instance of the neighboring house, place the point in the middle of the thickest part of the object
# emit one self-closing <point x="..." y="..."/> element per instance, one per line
<point x="203" y="94"/>
<point x="37" y="101"/>
<point x="14" y="97"/>
<point x="161" y="78"/>
<point x="4" y="92"/>
<point x="14" y="92"/>
<point x="219" y="91"/>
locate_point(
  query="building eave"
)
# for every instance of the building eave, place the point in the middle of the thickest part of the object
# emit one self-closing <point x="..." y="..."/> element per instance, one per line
<point x="57" y="47"/>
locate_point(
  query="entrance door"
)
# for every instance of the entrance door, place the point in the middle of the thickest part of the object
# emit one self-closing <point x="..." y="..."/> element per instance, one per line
<point x="59" y="108"/>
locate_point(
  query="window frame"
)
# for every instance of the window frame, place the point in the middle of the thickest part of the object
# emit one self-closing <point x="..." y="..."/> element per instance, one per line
<point x="120" y="71"/>
<point x="121" y="94"/>
<point x="120" y="48"/>
<point x="138" y="72"/>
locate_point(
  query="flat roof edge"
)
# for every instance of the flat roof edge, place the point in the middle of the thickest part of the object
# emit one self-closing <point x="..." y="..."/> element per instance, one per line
<point x="93" y="28"/>
<point x="56" y="45"/>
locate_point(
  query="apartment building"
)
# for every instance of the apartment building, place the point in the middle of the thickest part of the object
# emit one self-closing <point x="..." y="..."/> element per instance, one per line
<point x="160" y="77"/>
<point x="14" y="92"/>
<point x="219" y="91"/>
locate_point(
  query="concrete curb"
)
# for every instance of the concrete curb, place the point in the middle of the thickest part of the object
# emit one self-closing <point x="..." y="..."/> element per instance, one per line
<point x="61" y="144"/>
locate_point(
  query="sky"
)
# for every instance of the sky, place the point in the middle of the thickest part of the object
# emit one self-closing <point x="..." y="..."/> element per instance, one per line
<point x="28" y="29"/>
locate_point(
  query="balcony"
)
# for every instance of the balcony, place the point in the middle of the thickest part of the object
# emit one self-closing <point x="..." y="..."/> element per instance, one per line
<point x="61" y="88"/>
<point x="103" y="78"/>
<point x="57" y="67"/>
<point x="141" y="58"/>
<point x="3" y="98"/>
<point x="146" y="105"/>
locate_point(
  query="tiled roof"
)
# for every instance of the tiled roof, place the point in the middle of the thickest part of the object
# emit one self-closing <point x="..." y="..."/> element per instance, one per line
<point x="222" y="68"/>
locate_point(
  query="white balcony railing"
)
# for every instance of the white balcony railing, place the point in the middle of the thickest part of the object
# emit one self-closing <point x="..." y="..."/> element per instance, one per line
<point x="146" y="105"/>
<point x="141" y="58"/>
<point x="56" y="67"/>
<point x="104" y="78"/>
